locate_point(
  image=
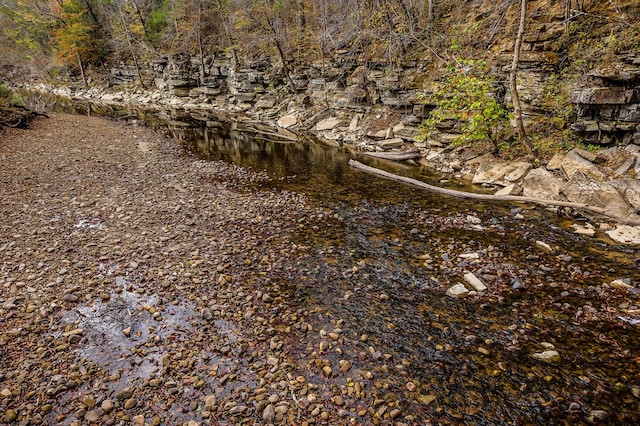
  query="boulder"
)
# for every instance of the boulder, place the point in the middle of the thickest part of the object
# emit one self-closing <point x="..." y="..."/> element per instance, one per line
<point x="593" y="157"/>
<point x="502" y="173"/>
<point x="597" y="194"/>
<point x="630" y="190"/>
<point x="625" y="234"/>
<point x="575" y="166"/>
<point x="555" y="163"/>
<point x="540" y="183"/>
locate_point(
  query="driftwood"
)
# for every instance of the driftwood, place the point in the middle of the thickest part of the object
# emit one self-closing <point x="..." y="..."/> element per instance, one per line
<point x="395" y="156"/>
<point x="490" y="197"/>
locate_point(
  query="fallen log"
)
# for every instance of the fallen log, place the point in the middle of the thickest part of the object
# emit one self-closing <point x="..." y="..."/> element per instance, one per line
<point x="490" y="197"/>
<point x="395" y="156"/>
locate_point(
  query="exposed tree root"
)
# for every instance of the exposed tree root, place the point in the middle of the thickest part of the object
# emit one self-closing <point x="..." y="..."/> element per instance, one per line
<point x="490" y="197"/>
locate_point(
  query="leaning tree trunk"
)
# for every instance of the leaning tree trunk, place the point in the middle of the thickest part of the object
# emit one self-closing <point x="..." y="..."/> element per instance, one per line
<point x="515" y="98"/>
<point x="84" y="77"/>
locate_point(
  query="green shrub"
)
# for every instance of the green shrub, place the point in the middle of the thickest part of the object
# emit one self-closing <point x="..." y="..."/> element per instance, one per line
<point x="465" y="94"/>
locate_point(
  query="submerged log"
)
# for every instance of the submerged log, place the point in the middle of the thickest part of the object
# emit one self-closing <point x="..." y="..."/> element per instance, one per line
<point x="490" y="197"/>
<point x="411" y="154"/>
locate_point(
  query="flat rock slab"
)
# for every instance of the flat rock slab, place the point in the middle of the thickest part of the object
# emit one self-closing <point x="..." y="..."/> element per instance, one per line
<point x="329" y="124"/>
<point x="503" y="173"/>
<point x="287" y="121"/>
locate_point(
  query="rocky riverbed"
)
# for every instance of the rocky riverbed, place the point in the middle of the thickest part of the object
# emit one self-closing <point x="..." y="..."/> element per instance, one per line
<point x="142" y="285"/>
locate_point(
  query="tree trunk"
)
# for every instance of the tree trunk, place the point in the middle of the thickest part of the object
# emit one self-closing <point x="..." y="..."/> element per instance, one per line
<point x="128" y="37"/>
<point x="84" y="78"/>
<point x="515" y="98"/>
<point x="200" y="46"/>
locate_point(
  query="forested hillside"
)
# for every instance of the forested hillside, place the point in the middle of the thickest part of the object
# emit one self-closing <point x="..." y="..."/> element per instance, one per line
<point x="370" y="49"/>
<point x="67" y="35"/>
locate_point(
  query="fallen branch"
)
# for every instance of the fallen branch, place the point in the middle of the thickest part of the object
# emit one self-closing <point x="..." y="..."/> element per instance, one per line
<point x="490" y="197"/>
<point x="395" y="156"/>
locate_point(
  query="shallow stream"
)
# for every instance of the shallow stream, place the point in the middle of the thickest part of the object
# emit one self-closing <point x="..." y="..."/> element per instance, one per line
<point x="386" y="256"/>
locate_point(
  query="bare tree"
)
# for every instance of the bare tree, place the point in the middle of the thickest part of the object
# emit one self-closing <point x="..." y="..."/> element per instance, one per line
<point x="515" y="98"/>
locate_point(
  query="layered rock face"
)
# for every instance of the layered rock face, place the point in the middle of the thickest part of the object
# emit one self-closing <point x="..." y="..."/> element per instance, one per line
<point x="608" y="108"/>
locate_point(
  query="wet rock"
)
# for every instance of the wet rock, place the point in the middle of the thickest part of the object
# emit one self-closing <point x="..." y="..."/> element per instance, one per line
<point x="89" y="401"/>
<point x="544" y="247"/>
<point x="130" y="403"/>
<point x="516" y="284"/>
<point x="238" y="409"/>
<point x="547" y="356"/>
<point x="210" y="401"/>
<point x="620" y="284"/>
<point x="124" y="394"/>
<point x="474" y="282"/>
<point x="587" y="229"/>
<point x="457" y="291"/>
<point x="11" y="415"/>
<point x="596" y="416"/>
<point x="326" y="371"/>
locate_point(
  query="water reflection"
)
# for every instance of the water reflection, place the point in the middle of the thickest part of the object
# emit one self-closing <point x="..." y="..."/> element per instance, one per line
<point x="471" y="361"/>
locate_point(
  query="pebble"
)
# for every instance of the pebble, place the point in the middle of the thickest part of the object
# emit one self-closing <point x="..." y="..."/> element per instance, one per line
<point x="93" y="415"/>
<point x="107" y="406"/>
<point x="238" y="409"/>
<point x="89" y="401"/>
<point x="210" y="401"/>
<point x="269" y="413"/>
<point x="130" y="403"/>
<point x="326" y="370"/>
<point x="70" y="297"/>
<point x="11" y="415"/>
<point x="124" y="394"/>
<point x="516" y="284"/>
<point x="620" y="284"/>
